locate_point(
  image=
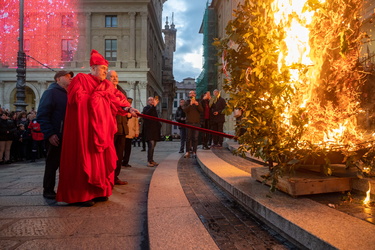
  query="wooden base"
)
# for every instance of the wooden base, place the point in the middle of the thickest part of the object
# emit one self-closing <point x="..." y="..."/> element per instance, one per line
<point x="305" y="182"/>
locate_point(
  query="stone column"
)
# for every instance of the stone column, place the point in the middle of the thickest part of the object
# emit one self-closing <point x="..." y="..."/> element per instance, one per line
<point x="88" y="40"/>
<point x="2" y="92"/>
<point x="132" y="41"/>
<point x="141" y="95"/>
<point x="143" y="56"/>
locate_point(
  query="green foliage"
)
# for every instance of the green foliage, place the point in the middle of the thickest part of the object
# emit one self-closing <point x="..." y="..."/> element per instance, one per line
<point x="264" y="91"/>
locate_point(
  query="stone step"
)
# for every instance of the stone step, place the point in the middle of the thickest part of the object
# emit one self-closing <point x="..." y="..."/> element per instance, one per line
<point x="304" y="222"/>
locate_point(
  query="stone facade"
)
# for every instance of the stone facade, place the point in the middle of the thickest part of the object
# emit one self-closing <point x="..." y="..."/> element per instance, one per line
<point x="182" y="92"/>
<point x="139" y="52"/>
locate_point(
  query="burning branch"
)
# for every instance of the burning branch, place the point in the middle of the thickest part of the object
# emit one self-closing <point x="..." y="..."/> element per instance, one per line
<point x="301" y="98"/>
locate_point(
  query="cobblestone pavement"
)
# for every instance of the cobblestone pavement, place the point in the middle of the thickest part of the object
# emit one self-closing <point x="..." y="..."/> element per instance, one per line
<point x="28" y="221"/>
<point x="349" y="203"/>
<point x="230" y="226"/>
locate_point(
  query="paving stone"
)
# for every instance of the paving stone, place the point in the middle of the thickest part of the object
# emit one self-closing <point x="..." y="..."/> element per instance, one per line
<point x="28" y="221"/>
<point x="98" y="242"/>
<point x="42" y="227"/>
<point x="229" y="225"/>
<point x="8" y="244"/>
<point x="37" y="211"/>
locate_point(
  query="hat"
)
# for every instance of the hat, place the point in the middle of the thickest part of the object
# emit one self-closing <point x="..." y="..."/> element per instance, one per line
<point x="63" y="73"/>
<point x="97" y="59"/>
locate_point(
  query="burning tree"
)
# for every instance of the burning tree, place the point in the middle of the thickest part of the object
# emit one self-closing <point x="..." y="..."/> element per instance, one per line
<point x="292" y="67"/>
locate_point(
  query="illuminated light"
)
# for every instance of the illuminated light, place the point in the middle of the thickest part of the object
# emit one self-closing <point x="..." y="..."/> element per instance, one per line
<point x="366" y="201"/>
<point x="46" y="24"/>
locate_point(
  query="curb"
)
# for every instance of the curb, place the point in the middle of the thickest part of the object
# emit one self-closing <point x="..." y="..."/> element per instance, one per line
<point x="304" y="222"/>
<point x="172" y="222"/>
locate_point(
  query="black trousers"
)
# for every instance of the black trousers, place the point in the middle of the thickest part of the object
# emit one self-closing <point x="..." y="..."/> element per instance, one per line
<point x="127" y="151"/>
<point x="119" y="145"/>
<point x="52" y="164"/>
<point x="217" y="126"/>
<point x="206" y="137"/>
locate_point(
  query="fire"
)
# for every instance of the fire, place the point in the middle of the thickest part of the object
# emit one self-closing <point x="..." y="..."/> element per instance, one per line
<point x="366" y="201"/>
<point x="330" y="101"/>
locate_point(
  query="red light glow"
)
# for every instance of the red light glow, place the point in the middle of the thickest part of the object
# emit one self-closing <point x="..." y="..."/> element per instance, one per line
<point x="50" y="32"/>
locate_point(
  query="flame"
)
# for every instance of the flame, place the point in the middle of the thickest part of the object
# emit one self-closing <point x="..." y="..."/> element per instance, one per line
<point x="330" y="122"/>
<point x="366" y="201"/>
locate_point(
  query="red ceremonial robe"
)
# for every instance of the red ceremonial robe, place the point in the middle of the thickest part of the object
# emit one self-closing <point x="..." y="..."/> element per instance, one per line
<point x="88" y="157"/>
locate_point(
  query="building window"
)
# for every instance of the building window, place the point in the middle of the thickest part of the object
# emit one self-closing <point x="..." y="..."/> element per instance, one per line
<point x="175" y="104"/>
<point x="111" y="49"/>
<point x="111" y="21"/>
<point x="67" y="21"/>
<point x="67" y="50"/>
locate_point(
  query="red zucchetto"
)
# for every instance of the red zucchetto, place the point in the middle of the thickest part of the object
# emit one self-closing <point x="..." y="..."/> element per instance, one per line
<point x="97" y="59"/>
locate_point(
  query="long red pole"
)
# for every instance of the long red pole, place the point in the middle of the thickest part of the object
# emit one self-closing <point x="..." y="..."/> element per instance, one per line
<point x="187" y="126"/>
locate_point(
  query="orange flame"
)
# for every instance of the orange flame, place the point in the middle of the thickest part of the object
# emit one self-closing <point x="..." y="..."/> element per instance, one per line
<point x="366" y="201"/>
<point x="328" y="125"/>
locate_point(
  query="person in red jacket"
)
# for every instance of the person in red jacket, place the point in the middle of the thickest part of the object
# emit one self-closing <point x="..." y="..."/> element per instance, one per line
<point x="38" y="140"/>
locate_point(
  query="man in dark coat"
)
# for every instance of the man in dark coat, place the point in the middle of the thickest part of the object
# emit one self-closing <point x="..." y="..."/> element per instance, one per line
<point x="217" y="104"/>
<point x="122" y="130"/>
<point x="193" y="110"/>
<point x="181" y="118"/>
<point x="51" y="115"/>
<point x="151" y="129"/>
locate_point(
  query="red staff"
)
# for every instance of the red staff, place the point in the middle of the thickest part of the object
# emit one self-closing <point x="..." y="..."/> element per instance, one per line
<point x="187" y="126"/>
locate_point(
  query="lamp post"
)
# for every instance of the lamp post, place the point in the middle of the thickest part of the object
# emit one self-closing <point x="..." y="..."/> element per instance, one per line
<point x="21" y="68"/>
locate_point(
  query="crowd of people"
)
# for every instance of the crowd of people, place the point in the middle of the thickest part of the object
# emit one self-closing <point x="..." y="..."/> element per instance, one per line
<point x="205" y="113"/>
<point x="20" y="137"/>
<point x="85" y="127"/>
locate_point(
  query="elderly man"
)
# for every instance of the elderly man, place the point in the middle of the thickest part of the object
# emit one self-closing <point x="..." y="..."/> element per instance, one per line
<point x="151" y="129"/>
<point x="88" y="157"/>
<point x="51" y="114"/>
<point x="122" y="130"/>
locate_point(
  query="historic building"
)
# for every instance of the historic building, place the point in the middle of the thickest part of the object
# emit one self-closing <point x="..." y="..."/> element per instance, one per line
<point x="127" y="33"/>
<point x="215" y="19"/>
<point x="182" y="92"/>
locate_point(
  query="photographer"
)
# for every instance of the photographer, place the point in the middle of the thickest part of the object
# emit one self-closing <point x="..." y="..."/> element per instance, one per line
<point x="193" y="111"/>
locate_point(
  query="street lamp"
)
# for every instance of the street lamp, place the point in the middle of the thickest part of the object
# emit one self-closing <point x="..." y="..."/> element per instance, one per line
<point x="21" y="68"/>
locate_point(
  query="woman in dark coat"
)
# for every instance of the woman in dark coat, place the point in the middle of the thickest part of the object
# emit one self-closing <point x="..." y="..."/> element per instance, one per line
<point x="7" y="132"/>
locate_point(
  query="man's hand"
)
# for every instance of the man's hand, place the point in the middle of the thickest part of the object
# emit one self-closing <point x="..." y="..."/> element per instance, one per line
<point x="133" y="111"/>
<point x="54" y="140"/>
<point x="216" y="113"/>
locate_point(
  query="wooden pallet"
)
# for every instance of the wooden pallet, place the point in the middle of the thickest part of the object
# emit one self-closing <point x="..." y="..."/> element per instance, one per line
<point x="305" y="182"/>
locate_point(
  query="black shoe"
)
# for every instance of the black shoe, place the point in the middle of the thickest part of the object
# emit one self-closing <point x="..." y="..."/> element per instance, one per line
<point x="99" y="199"/>
<point x="84" y="204"/>
<point x="181" y="151"/>
<point x="128" y="166"/>
<point x="143" y="150"/>
<point x="49" y="195"/>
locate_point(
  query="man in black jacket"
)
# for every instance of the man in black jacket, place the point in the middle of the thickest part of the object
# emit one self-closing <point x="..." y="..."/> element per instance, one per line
<point x="122" y="130"/>
<point x="51" y="115"/>
<point x="151" y="129"/>
<point x="193" y="110"/>
<point x="181" y="118"/>
<point x="217" y="104"/>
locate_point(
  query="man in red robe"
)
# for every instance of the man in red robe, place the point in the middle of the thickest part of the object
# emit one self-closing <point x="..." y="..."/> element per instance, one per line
<point x="88" y="157"/>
